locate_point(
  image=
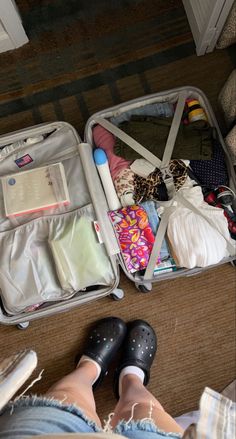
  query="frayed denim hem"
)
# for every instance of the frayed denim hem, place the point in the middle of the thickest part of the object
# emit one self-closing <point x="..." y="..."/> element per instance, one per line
<point x="146" y="425"/>
<point x="43" y="401"/>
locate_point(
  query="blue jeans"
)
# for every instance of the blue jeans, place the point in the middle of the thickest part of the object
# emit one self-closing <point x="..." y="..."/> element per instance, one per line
<point x="39" y="415"/>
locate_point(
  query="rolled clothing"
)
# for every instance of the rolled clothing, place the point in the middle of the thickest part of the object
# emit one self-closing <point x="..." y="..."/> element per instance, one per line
<point x="158" y="109"/>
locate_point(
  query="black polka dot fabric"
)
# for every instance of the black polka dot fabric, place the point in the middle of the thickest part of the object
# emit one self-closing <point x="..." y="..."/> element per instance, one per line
<point x="211" y="172"/>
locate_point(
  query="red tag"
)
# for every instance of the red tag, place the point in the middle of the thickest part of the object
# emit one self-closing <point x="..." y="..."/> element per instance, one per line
<point x="98" y="231"/>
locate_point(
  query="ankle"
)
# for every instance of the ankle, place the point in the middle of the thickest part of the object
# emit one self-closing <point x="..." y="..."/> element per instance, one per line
<point x="89" y="371"/>
<point x="134" y="373"/>
<point x="131" y="380"/>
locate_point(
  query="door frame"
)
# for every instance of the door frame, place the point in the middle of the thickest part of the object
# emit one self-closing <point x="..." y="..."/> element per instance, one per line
<point x="12" y="33"/>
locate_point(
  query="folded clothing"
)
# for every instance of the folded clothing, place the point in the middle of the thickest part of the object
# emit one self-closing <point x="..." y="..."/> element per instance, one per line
<point x="80" y="259"/>
<point x="135" y="236"/>
<point x="106" y="140"/>
<point x="211" y="172"/>
<point x="194" y="141"/>
<point x="194" y="241"/>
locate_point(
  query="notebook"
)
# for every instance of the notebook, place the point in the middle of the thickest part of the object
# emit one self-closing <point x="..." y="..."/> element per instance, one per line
<point x="34" y="190"/>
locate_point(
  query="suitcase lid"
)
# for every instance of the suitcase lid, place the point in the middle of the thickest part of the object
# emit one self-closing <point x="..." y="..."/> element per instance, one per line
<point x="20" y="148"/>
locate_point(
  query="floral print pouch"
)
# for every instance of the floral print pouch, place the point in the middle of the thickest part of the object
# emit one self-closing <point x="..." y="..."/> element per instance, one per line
<point x="135" y="236"/>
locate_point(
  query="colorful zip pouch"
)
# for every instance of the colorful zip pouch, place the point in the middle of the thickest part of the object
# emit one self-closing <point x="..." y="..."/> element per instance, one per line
<point x="135" y="236"/>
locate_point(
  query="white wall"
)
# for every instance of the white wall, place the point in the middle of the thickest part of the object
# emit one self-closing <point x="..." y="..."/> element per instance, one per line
<point x="12" y="33"/>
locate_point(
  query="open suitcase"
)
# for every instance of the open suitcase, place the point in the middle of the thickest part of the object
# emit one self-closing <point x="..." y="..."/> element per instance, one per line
<point x="61" y="143"/>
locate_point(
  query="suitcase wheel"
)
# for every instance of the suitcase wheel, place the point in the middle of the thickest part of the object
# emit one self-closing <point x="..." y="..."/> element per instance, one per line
<point x="144" y="288"/>
<point x="117" y="294"/>
<point x="23" y="325"/>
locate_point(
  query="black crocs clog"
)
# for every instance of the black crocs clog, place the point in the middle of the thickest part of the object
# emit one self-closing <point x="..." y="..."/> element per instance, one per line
<point x="139" y="350"/>
<point x="103" y="342"/>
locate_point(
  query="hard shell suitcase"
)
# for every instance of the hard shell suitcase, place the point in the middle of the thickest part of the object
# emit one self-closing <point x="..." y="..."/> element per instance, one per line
<point x="65" y="144"/>
<point x="143" y="283"/>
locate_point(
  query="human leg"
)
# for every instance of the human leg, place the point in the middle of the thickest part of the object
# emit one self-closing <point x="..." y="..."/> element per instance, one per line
<point x="138" y="403"/>
<point x="77" y="388"/>
<point x="68" y="406"/>
<point x="103" y="342"/>
<point x="135" y="401"/>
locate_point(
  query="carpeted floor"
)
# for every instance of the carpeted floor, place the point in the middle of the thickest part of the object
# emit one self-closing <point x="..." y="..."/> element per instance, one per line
<point x="82" y="57"/>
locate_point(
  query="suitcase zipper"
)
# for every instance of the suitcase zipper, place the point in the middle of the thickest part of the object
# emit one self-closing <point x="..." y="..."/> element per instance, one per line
<point x="33" y="132"/>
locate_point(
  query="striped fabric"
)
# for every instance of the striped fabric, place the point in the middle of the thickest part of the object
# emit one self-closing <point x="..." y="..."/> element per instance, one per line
<point x="217" y="418"/>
